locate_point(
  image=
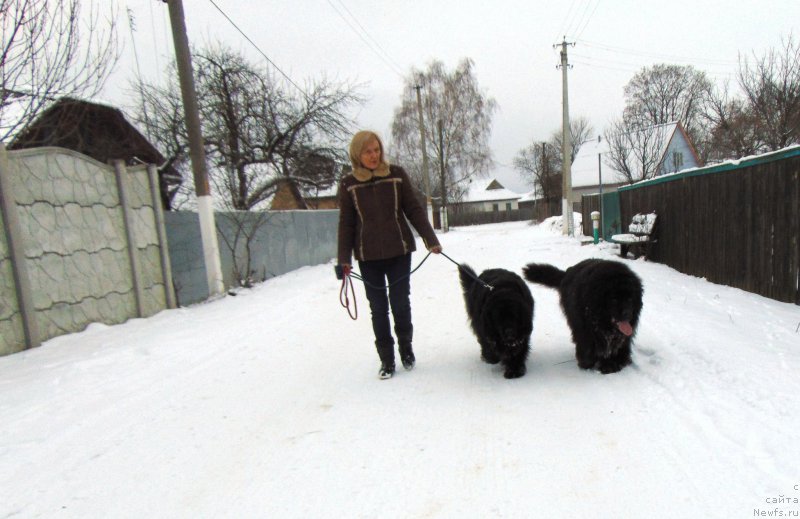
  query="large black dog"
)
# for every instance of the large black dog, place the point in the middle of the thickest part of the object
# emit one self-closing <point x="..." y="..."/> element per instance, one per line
<point x="602" y="301"/>
<point x="501" y="316"/>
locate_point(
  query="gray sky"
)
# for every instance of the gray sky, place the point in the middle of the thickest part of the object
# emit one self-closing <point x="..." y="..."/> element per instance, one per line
<point x="376" y="42"/>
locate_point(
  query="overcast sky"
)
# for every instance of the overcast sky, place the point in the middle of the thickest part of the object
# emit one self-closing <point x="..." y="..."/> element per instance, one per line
<point x="511" y="42"/>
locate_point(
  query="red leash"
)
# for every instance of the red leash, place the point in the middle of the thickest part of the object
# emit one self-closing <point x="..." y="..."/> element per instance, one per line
<point x="344" y="300"/>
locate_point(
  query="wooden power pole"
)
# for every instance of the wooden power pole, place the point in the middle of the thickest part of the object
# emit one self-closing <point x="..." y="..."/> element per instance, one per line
<point x="566" y="170"/>
<point x="205" y="209"/>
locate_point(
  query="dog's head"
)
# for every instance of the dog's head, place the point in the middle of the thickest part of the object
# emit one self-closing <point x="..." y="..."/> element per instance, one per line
<point x="618" y="303"/>
<point x="507" y="321"/>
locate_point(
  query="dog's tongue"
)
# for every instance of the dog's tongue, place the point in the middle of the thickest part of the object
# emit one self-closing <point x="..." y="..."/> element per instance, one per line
<point x="625" y="327"/>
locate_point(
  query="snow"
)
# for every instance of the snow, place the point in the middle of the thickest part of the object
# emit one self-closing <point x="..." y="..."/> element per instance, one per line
<point x="584" y="169"/>
<point x="480" y="192"/>
<point x="268" y="404"/>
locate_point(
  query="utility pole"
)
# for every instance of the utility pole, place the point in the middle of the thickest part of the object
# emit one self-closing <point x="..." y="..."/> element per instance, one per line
<point x="426" y="176"/>
<point x="566" y="170"/>
<point x="600" y="179"/>
<point x="205" y="209"/>
<point x="443" y="213"/>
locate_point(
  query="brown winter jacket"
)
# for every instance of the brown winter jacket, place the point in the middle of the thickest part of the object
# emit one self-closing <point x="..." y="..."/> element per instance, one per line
<point x="372" y="216"/>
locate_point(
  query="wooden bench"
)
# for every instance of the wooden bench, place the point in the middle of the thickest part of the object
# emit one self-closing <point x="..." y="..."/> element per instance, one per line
<point x="639" y="237"/>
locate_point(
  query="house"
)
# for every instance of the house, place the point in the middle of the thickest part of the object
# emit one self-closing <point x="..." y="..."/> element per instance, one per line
<point x="98" y="131"/>
<point x="487" y="196"/>
<point x="323" y="198"/>
<point x="676" y="152"/>
<point x="538" y="207"/>
<point x="288" y="197"/>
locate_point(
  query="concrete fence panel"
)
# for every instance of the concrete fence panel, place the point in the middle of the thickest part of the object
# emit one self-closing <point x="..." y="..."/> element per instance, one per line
<point x="91" y="249"/>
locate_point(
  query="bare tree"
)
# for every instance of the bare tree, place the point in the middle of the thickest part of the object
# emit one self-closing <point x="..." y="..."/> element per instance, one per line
<point x="51" y="49"/>
<point x="667" y="93"/>
<point x="466" y="114"/>
<point x="539" y="164"/>
<point x="245" y="227"/>
<point x="734" y="132"/>
<point x="579" y="131"/>
<point x="257" y="134"/>
<point x="635" y="152"/>
<point x="771" y="85"/>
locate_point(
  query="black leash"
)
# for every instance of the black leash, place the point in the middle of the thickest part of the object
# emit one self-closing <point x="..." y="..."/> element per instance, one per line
<point x="470" y="274"/>
<point x="347" y="283"/>
<point x="358" y="276"/>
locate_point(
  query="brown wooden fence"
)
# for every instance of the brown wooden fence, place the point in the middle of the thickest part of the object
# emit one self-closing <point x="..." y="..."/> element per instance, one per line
<point x="537" y="212"/>
<point x="734" y="224"/>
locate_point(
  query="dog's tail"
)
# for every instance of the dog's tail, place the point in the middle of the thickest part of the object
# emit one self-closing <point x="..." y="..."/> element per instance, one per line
<point x="467" y="276"/>
<point x="543" y="274"/>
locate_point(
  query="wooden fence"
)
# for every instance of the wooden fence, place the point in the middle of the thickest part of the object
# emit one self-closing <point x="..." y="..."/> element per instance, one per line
<point x="532" y="211"/>
<point x="734" y="224"/>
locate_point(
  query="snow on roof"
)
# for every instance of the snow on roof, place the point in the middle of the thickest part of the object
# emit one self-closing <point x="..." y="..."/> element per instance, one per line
<point x="332" y="190"/>
<point x="585" y="166"/>
<point x="488" y="190"/>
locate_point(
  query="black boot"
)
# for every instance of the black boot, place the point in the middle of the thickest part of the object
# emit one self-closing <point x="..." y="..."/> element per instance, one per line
<point x="406" y="352"/>
<point x="386" y="354"/>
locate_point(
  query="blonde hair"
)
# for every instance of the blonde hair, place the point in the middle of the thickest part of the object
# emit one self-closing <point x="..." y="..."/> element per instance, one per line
<point x="360" y="139"/>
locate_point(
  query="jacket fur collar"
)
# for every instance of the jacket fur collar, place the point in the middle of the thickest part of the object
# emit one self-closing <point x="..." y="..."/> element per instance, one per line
<point x="364" y="174"/>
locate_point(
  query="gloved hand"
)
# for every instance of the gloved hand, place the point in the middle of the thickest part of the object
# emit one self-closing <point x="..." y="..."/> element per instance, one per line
<point x="342" y="271"/>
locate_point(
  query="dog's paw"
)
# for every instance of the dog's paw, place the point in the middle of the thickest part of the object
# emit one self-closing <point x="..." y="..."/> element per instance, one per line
<point x="608" y="366"/>
<point x="515" y="372"/>
<point x="490" y="359"/>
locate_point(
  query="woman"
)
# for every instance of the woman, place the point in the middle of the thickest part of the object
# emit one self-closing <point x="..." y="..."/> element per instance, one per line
<point x="374" y="202"/>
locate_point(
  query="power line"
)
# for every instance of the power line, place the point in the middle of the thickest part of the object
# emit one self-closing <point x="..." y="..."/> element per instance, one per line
<point x="594" y="61"/>
<point x="634" y="52"/>
<point x="579" y="18"/>
<point x="578" y="34"/>
<point x="259" y="50"/>
<point x="563" y="22"/>
<point x="360" y="31"/>
<point x="153" y="33"/>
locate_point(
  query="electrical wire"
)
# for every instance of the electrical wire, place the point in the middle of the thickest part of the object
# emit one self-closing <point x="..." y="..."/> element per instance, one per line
<point x="579" y="32"/>
<point x="578" y="19"/>
<point x="635" y="52"/>
<point x="274" y="65"/>
<point x="563" y="22"/>
<point x="153" y="34"/>
<point x="360" y="32"/>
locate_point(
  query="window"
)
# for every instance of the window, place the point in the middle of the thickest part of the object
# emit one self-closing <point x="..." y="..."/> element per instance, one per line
<point x="508" y="206"/>
<point x="677" y="160"/>
<point x="495" y="207"/>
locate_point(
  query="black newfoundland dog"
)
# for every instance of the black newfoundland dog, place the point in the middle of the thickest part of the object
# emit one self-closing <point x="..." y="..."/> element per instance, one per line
<point x="500" y="316"/>
<point x="602" y="301"/>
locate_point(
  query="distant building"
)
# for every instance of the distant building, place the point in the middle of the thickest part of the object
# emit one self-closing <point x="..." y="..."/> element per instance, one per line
<point x="98" y="131"/>
<point x="488" y="195"/>
<point x="323" y="198"/>
<point x="288" y="197"/>
<point x="677" y="153"/>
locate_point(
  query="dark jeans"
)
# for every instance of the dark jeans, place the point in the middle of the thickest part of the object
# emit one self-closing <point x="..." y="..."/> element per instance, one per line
<point x="381" y="273"/>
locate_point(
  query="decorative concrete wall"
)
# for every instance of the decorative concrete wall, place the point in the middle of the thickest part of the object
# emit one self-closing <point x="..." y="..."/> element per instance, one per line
<point x="280" y="241"/>
<point x="12" y="337"/>
<point x="91" y="244"/>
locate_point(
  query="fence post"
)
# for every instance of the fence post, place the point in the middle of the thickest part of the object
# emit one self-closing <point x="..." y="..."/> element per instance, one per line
<point x="16" y="250"/>
<point x="158" y="212"/>
<point x="596" y="226"/>
<point x="127" y="218"/>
